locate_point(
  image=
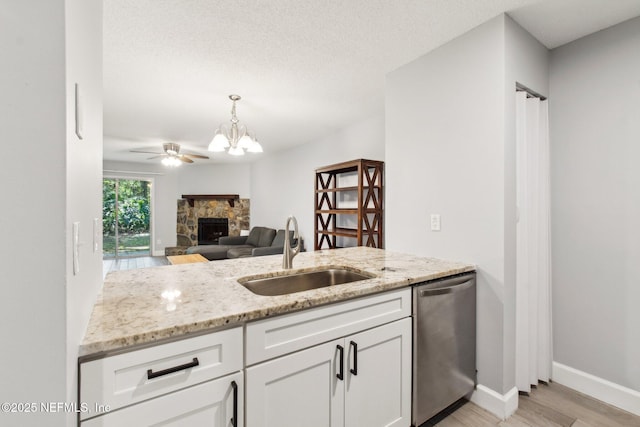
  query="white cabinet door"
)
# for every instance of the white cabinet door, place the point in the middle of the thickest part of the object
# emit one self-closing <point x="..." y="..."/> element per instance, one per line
<point x="209" y="404"/>
<point x="300" y="389"/>
<point x="303" y="388"/>
<point x="378" y="393"/>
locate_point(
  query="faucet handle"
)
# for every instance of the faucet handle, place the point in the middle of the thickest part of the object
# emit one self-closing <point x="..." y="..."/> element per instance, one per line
<point x="296" y="249"/>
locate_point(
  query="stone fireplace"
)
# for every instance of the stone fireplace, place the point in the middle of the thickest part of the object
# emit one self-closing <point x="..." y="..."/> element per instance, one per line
<point x="211" y="229"/>
<point x="236" y="212"/>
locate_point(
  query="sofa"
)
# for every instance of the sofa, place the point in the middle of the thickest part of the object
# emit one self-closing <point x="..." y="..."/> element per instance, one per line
<point x="260" y="241"/>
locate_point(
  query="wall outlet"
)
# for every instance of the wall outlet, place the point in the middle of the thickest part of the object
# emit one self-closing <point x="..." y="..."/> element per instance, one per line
<point x="435" y="222"/>
<point x="158" y="242"/>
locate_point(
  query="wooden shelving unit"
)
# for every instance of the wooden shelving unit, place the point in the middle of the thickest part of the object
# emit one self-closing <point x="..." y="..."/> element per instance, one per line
<point x="347" y="212"/>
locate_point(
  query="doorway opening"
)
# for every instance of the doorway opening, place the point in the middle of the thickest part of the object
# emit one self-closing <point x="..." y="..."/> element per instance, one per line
<point x="126" y="218"/>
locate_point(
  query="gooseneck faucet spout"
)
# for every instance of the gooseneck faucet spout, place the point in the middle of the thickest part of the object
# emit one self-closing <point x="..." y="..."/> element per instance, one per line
<point x="289" y="253"/>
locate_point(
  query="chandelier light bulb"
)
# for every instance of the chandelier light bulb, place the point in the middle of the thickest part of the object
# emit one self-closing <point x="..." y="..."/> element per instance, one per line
<point x="255" y="146"/>
<point x="219" y="142"/>
<point x="245" y="142"/>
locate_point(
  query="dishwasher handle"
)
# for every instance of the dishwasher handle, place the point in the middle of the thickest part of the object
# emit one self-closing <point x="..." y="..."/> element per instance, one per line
<point x="457" y="287"/>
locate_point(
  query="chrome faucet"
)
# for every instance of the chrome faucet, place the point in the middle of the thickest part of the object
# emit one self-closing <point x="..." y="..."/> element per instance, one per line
<point x="289" y="253"/>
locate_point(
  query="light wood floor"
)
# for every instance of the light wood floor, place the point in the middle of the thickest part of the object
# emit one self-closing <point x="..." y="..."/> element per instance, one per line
<point x="550" y="405"/>
<point x="109" y="265"/>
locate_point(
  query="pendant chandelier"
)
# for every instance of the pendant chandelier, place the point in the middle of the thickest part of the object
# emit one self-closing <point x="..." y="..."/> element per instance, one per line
<point x="236" y="138"/>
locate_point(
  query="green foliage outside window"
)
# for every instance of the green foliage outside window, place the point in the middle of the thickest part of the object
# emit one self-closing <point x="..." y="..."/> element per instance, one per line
<point x="133" y="206"/>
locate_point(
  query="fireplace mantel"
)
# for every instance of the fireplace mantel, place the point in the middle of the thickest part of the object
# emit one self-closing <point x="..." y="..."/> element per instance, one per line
<point x="229" y="197"/>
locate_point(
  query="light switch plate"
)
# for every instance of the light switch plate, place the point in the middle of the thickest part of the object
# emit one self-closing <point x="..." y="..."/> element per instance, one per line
<point x="76" y="248"/>
<point x="96" y="234"/>
<point x="78" y="112"/>
<point x="435" y="222"/>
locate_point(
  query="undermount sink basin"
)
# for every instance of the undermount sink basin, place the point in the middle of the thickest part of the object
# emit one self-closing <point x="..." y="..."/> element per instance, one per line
<point x="298" y="282"/>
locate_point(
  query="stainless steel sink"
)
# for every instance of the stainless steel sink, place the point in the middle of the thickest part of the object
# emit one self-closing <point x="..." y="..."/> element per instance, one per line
<point x="298" y="282"/>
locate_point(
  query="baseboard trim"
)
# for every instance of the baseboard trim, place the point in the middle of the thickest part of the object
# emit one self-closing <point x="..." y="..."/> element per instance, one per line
<point x="598" y="388"/>
<point x="500" y="405"/>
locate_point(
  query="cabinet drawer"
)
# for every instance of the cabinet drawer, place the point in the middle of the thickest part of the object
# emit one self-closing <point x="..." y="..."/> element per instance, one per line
<point x="211" y="404"/>
<point x="274" y="337"/>
<point x="127" y="378"/>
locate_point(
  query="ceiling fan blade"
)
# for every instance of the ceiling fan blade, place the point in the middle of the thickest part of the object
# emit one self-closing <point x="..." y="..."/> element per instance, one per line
<point x="196" y="156"/>
<point x="146" y="152"/>
<point x="185" y="159"/>
<point x="157" y="157"/>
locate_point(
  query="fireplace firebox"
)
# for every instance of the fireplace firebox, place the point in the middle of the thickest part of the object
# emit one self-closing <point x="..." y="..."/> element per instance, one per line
<point x="211" y="229"/>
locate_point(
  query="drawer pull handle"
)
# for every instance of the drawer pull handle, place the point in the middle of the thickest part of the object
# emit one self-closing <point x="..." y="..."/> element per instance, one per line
<point x="354" y="370"/>
<point x="234" y="421"/>
<point x="340" y="374"/>
<point x="151" y="375"/>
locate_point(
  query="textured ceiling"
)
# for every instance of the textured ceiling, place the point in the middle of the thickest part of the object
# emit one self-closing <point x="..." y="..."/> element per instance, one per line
<point x="304" y="68"/>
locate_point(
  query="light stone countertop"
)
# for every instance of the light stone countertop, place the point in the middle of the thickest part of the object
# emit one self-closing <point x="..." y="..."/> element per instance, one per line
<point x="142" y="306"/>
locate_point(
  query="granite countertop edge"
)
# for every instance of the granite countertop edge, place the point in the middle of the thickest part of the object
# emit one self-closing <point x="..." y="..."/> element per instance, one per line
<point x="159" y="304"/>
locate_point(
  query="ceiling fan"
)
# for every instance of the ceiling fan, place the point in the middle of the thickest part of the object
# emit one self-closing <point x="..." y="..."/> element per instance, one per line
<point x="171" y="155"/>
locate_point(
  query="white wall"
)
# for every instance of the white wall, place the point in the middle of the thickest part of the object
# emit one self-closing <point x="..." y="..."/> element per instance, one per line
<point x="282" y="183"/>
<point x="32" y="116"/>
<point x="83" y="27"/>
<point x="445" y="155"/>
<point x="170" y="183"/>
<point x="450" y="150"/>
<point x="216" y="179"/>
<point x="595" y="178"/>
<point x="49" y="183"/>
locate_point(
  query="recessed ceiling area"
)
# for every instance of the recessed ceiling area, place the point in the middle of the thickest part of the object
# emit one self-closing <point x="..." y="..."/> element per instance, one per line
<point x="304" y="69"/>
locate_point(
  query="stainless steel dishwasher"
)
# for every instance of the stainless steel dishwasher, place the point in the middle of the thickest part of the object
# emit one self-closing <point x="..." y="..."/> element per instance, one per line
<point x="444" y="344"/>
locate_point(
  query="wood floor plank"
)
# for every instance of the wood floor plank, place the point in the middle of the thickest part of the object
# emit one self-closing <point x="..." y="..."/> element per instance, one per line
<point x="478" y="412"/>
<point x="580" y="423"/>
<point x="515" y="421"/>
<point x="585" y="408"/>
<point x="446" y="422"/>
<point x="554" y="416"/>
<point x="469" y="418"/>
<point x="533" y="417"/>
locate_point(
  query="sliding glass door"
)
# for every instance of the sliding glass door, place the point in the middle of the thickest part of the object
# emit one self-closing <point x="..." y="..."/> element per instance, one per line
<point x="126" y="217"/>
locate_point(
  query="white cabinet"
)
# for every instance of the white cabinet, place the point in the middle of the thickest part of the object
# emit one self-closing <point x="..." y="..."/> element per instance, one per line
<point x="196" y="381"/>
<point x="360" y="379"/>
<point x="346" y="364"/>
<point x="380" y="393"/>
<point x="300" y="389"/>
<point x="213" y="403"/>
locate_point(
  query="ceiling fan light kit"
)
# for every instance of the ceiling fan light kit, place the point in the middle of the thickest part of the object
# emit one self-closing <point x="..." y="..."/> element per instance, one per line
<point x="171" y="161"/>
<point x="171" y="156"/>
<point x="236" y="139"/>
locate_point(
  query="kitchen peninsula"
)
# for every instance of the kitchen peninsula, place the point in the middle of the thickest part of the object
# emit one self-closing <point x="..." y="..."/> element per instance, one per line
<point x="238" y="345"/>
<point x="151" y="304"/>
